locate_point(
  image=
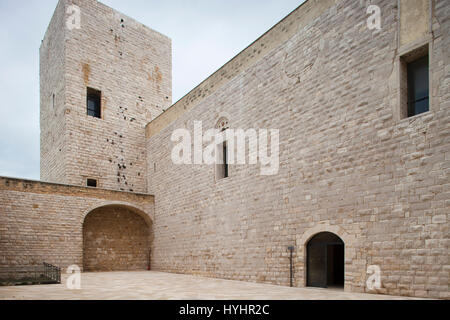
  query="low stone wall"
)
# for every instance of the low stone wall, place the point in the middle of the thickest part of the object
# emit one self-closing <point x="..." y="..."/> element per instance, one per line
<point x="43" y="222"/>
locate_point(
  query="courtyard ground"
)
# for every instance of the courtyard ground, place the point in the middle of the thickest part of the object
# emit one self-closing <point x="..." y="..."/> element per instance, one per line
<point x="151" y="285"/>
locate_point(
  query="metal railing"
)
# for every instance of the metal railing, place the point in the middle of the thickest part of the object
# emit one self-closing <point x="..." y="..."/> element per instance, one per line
<point x="52" y="272"/>
<point x="30" y="275"/>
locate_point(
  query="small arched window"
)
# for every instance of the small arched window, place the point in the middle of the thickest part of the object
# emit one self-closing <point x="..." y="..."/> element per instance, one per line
<point x="222" y="166"/>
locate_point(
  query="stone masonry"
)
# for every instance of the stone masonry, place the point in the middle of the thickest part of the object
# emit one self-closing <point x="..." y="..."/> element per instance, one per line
<point x="351" y="162"/>
<point x="131" y="65"/>
<point x="43" y="222"/>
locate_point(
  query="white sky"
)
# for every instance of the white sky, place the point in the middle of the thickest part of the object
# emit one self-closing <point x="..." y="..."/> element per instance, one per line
<point x="205" y="35"/>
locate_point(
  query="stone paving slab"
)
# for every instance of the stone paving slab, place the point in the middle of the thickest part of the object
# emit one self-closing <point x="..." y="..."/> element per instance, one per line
<point x="150" y="285"/>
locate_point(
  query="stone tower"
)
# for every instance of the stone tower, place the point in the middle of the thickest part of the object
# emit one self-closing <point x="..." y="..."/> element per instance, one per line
<point x="103" y="77"/>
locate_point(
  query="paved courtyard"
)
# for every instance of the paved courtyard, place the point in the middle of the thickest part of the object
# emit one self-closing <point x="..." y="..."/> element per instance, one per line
<point x="151" y="285"/>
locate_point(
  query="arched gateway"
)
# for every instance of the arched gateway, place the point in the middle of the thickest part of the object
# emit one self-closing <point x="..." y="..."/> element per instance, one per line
<point x="116" y="238"/>
<point x="325" y="261"/>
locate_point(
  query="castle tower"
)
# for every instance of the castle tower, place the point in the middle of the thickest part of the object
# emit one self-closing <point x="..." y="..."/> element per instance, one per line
<point x="103" y="77"/>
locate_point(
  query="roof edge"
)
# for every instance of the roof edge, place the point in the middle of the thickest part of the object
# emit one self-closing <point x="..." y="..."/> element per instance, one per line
<point x="34" y="186"/>
<point x="274" y="37"/>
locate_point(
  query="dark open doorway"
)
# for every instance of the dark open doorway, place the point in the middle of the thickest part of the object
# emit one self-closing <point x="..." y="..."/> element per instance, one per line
<point x="325" y="261"/>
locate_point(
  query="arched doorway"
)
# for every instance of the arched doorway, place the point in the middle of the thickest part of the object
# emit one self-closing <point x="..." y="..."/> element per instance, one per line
<point x="325" y="261"/>
<point x="116" y="238"/>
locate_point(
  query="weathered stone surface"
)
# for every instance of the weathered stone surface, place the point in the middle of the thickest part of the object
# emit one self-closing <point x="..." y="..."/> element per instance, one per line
<point x="350" y="162"/>
<point x="132" y="67"/>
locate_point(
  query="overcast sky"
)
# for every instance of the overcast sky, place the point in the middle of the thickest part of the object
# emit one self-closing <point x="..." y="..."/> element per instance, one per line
<point x="205" y="35"/>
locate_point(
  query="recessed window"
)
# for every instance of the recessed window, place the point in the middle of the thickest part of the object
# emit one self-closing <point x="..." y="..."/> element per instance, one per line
<point x="225" y="160"/>
<point x="94" y="98"/>
<point x="92" y="183"/>
<point x="415" y="83"/>
<point x="418" y="87"/>
<point x="222" y="164"/>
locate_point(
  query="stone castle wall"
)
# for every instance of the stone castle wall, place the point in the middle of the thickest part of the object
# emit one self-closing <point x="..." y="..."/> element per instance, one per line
<point x="350" y="163"/>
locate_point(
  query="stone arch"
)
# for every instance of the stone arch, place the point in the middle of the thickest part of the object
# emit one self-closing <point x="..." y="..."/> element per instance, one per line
<point x="222" y="115"/>
<point x="116" y="237"/>
<point x="302" y="243"/>
<point x="337" y="230"/>
<point x="137" y="209"/>
<point x="223" y="123"/>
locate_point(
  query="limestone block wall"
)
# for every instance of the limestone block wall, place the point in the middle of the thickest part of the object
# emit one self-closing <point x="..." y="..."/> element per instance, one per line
<point x="42" y="222"/>
<point x="131" y="65"/>
<point x="52" y="100"/>
<point x="349" y="162"/>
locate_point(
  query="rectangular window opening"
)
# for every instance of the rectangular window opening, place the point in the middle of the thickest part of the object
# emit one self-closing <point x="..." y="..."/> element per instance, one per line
<point x="225" y="160"/>
<point x="415" y="84"/>
<point x="94" y="98"/>
<point x="92" y="183"/>
<point x="418" y="87"/>
<point x="222" y="166"/>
